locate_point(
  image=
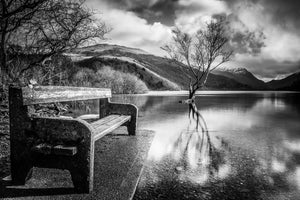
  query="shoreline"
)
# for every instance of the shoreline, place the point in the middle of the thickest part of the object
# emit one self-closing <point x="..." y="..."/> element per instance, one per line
<point x="206" y="92"/>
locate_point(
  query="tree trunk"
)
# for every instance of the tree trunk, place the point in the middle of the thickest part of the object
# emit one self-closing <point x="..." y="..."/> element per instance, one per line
<point x="192" y="93"/>
<point x="3" y="65"/>
<point x="193" y="89"/>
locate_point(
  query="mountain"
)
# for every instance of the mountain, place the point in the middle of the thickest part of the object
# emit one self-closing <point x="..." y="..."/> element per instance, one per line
<point x="242" y="76"/>
<point x="157" y="72"/>
<point x="291" y="82"/>
<point x="98" y="48"/>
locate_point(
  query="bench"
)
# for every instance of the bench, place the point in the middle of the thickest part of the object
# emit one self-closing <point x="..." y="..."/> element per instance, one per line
<point x="61" y="142"/>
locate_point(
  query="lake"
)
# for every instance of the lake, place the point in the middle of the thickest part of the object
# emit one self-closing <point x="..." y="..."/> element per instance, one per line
<point x="228" y="145"/>
<point x="238" y="145"/>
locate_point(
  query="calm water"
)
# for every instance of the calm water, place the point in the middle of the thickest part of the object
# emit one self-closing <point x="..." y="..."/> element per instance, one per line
<point x="243" y="146"/>
<point x="235" y="146"/>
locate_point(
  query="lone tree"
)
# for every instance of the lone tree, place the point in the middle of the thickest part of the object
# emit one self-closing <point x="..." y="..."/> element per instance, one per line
<point x="200" y="53"/>
<point x="33" y="31"/>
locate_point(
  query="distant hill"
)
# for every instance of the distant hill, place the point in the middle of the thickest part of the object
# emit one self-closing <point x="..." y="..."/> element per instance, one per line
<point x="98" y="48"/>
<point x="291" y="82"/>
<point x="160" y="73"/>
<point x="242" y="76"/>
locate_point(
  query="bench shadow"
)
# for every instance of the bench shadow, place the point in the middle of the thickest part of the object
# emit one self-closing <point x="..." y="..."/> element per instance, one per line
<point x="8" y="192"/>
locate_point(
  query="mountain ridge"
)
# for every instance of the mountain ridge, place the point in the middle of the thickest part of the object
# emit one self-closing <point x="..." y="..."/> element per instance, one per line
<point x="161" y="73"/>
<point x="291" y="82"/>
<point x="242" y="75"/>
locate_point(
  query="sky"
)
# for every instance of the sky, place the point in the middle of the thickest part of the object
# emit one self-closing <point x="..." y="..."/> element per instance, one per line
<point x="265" y="34"/>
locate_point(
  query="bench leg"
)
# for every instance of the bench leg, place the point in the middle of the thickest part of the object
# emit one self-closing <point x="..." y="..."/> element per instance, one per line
<point x="21" y="172"/>
<point x="81" y="181"/>
<point x="131" y="128"/>
<point x="21" y="163"/>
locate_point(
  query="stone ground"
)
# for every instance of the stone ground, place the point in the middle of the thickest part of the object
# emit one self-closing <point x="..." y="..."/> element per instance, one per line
<point x="119" y="161"/>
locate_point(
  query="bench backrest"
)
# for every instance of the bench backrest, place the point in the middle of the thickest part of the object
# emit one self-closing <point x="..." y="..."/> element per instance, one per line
<point x="51" y="94"/>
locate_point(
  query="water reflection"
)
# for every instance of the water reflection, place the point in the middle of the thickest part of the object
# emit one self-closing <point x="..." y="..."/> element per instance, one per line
<point x="192" y="158"/>
<point x="201" y="159"/>
<point x="226" y="146"/>
<point x="246" y="149"/>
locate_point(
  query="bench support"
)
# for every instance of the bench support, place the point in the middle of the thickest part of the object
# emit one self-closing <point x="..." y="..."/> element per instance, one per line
<point x="108" y="108"/>
<point x="62" y="143"/>
<point x="20" y="125"/>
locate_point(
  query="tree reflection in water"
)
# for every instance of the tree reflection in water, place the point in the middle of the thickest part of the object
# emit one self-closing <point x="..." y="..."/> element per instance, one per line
<point x="194" y="161"/>
<point x="204" y="166"/>
<point x="199" y="155"/>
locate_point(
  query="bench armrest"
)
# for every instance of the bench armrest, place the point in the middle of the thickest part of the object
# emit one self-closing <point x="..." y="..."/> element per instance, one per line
<point x="108" y="108"/>
<point x="61" y="130"/>
<point x="123" y="109"/>
<point x="126" y="109"/>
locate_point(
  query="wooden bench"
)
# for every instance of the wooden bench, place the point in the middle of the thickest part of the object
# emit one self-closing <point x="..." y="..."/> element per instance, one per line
<point x="61" y="142"/>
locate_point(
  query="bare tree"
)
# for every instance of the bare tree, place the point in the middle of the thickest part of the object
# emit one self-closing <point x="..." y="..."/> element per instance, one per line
<point x="13" y="13"/>
<point x="44" y="28"/>
<point x="201" y="53"/>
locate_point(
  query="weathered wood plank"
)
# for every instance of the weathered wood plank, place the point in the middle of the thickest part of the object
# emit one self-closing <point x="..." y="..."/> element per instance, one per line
<point x="125" y="109"/>
<point x="62" y="130"/>
<point x="109" y="120"/>
<point x="42" y="148"/>
<point x="50" y="94"/>
<point x="48" y="149"/>
<point x="64" y="150"/>
<point x="88" y="117"/>
<point x="101" y="129"/>
<point x="6" y="181"/>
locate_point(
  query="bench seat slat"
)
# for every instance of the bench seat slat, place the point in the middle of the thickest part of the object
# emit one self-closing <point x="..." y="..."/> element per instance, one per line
<point x="51" y="94"/>
<point x="64" y="150"/>
<point x="95" y="117"/>
<point x="43" y="148"/>
<point x="88" y="117"/>
<point x="108" y="124"/>
<point x="110" y="119"/>
<point x="48" y="149"/>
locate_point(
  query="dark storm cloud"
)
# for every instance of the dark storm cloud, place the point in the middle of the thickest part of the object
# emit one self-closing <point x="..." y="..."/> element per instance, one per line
<point x="270" y="69"/>
<point x="267" y="68"/>
<point x="153" y="11"/>
<point x="264" y="34"/>
<point x="242" y="40"/>
<point x="283" y="12"/>
<point x="162" y="11"/>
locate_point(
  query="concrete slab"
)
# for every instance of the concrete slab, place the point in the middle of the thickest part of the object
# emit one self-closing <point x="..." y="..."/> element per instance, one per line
<point x="119" y="162"/>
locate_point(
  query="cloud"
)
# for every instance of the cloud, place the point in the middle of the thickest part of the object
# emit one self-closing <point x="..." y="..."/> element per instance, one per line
<point x="279" y="41"/>
<point x="265" y="67"/>
<point x="284" y="13"/>
<point x="264" y="33"/>
<point x="153" y="10"/>
<point x="274" y="28"/>
<point x="242" y="38"/>
<point x="192" y="15"/>
<point x="130" y="30"/>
